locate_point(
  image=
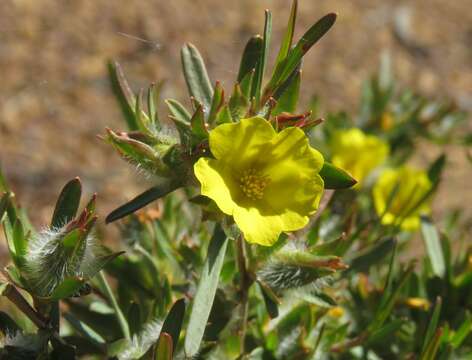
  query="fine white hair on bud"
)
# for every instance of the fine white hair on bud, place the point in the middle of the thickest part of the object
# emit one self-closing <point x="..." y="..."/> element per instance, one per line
<point x="48" y="263"/>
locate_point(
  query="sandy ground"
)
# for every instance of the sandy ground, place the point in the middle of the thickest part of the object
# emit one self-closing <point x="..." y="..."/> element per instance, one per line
<point x="55" y="98"/>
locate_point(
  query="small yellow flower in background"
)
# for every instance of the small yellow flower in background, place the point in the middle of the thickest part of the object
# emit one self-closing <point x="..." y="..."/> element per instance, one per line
<point x="357" y="152"/>
<point x="418" y="303"/>
<point x="268" y="181"/>
<point x="336" y="312"/>
<point x="413" y="184"/>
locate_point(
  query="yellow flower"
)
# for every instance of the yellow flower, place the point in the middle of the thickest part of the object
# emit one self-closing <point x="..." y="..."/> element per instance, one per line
<point x="357" y="153"/>
<point x="412" y="185"/>
<point x="268" y="181"/>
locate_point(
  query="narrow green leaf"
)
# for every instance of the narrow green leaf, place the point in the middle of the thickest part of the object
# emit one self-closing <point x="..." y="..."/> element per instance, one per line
<point x="436" y="169"/>
<point x="152" y="99"/>
<point x="238" y="103"/>
<point x="174" y="320"/>
<point x="288" y="100"/>
<point x="295" y="55"/>
<point x="206" y="291"/>
<point x="371" y="256"/>
<point x="84" y="329"/>
<point x="433" y="246"/>
<point x="196" y="75"/>
<point x="164" y="347"/>
<point x="433" y="346"/>
<point x="336" y="178"/>
<point x="246" y="83"/>
<point x="288" y="37"/>
<point x="252" y="55"/>
<point x="386" y="332"/>
<point x="216" y="103"/>
<point x="261" y="65"/>
<point x="20" y="242"/>
<point x="143" y="199"/>
<point x="178" y="111"/>
<point x="123" y="94"/>
<point x="197" y="124"/>
<point x="461" y="334"/>
<point x="433" y="324"/>
<point x="270" y="299"/>
<point x="67" y="204"/>
<point x="68" y="287"/>
<point x="4" y="203"/>
<point x="224" y="116"/>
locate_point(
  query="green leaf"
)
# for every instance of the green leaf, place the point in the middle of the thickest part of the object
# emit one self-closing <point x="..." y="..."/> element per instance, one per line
<point x="261" y="64"/>
<point x="4" y="203"/>
<point x="206" y="291"/>
<point x="196" y="75"/>
<point x="197" y="124"/>
<point x="336" y="178"/>
<point x="433" y="346"/>
<point x="20" y="242"/>
<point x="165" y="348"/>
<point x="252" y="55"/>
<point x="288" y="100"/>
<point x="371" y="256"/>
<point x="142" y="200"/>
<point x="436" y="169"/>
<point x="385" y="333"/>
<point x="134" y="318"/>
<point x="123" y="94"/>
<point x="433" y="246"/>
<point x="433" y="324"/>
<point x="461" y="334"/>
<point x="68" y="287"/>
<point x="174" y="320"/>
<point x="238" y="104"/>
<point x="270" y="299"/>
<point x="85" y="330"/>
<point x="178" y="111"/>
<point x="224" y="115"/>
<point x="246" y="83"/>
<point x="295" y="55"/>
<point x="288" y="37"/>
<point x="67" y="204"/>
<point x="216" y="103"/>
<point x="152" y="98"/>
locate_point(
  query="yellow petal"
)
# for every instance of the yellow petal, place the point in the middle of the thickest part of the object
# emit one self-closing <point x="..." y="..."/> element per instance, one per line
<point x="241" y="142"/>
<point x="216" y="182"/>
<point x="257" y="228"/>
<point x="294" y="168"/>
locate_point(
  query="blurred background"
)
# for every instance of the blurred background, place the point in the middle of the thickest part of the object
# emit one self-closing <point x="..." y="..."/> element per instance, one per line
<point x="55" y="97"/>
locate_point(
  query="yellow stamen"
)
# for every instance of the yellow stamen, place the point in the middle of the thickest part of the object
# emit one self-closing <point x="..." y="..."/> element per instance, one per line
<point x="253" y="183"/>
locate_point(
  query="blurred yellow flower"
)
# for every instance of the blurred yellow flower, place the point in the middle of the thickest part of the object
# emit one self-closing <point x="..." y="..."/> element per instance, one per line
<point x="268" y="181"/>
<point x="412" y="185"/>
<point x="357" y="152"/>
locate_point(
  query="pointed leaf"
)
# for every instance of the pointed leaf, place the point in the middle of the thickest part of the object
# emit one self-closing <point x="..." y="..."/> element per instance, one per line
<point x="224" y="116"/>
<point x="199" y="130"/>
<point x="433" y="324"/>
<point x="238" y="104"/>
<point x="295" y="55"/>
<point x="288" y="37"/>
<point x="206" y="291"/>
<point x="436" y="169"/>
<point x="336" y="178"/>
<point x="67" y="203"/>
<point x="68" y="287"/>
<point x="196" y="75"/>
<point x="123" y="94"/>
<point x="288" y="100"/>
<point x="216" y="103"/>
<point x="178" y="111"/>
<point x="246" y="83"/>
<point x="261" y="65"/>
<point x="143" y="199"/>
<point x="174" y="320"/>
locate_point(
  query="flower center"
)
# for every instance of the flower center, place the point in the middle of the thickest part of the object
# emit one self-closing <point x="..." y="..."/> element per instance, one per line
<point x="253" y="183"/>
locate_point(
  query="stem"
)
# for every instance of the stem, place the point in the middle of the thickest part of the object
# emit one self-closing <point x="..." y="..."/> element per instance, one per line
<point x="119" y="314"/>
<point x="245" y="284"/>
<point x="12" y="294"/>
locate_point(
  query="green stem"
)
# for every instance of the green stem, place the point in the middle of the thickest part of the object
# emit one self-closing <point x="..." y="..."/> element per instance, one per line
<point x="245" y="284"/>
<point x="12" y="294"/>
<point x="119" y="314"/>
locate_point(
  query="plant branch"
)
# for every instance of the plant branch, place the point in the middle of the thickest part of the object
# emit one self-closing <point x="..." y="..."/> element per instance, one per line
<point x="12" y="294"/>
<point x="119" y="314"/>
